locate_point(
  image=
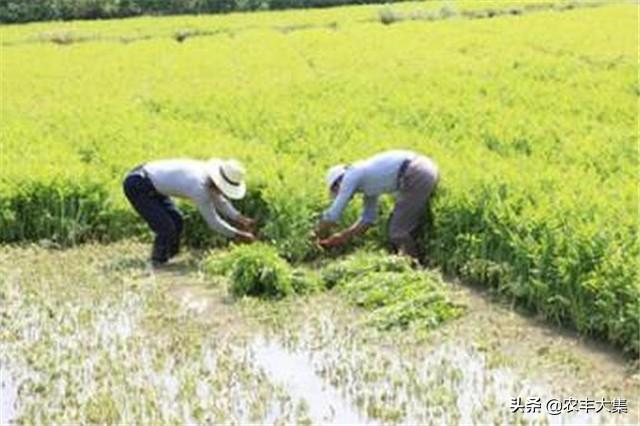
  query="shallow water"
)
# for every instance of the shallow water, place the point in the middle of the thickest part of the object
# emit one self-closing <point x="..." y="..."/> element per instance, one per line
<point x="334" y="377"/>
<point x="107" y="354"/>
<point x="295" y="370"/>
<point x="344" y="382"/>
<point x="8" y="397"/>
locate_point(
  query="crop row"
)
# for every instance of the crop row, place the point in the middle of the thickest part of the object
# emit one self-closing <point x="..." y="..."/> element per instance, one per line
<point x="535" y="134"/>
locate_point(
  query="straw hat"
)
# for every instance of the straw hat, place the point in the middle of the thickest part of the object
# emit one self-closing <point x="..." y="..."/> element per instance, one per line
<point x="334" y="174"/>
<point x="229" y="177"/>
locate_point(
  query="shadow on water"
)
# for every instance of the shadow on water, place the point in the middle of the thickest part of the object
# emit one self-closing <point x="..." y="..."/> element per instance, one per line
<point x="180" y="266"/>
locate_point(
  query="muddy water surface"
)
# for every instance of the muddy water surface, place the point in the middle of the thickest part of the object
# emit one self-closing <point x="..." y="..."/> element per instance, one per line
<point x="295" y="370"/>
<point x="93" y="335"/>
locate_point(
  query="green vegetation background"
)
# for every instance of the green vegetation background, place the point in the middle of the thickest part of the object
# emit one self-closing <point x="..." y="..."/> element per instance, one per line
<point x="46" y="10"/>
<point x="532" y="119"/>
<point x="20" y="11"/>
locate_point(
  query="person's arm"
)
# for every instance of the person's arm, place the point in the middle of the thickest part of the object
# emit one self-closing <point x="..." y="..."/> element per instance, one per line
<point x="225" y="207"/>
<point x="215" y="222"/>
<point x="342" y="238"/>
<point x="332" y="215"/>
<point x="366" y="221"/>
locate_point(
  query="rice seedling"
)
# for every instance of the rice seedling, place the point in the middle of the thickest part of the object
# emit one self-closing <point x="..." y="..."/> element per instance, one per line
<point x="396" y="294"/>
<point x="362" y="263"/>
<point x="258" y="270"/>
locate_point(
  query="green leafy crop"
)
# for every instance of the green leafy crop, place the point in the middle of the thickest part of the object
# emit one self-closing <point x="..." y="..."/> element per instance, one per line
<point x="395" y="294"/>
<point x="255" y="270"/>
<point x="258" y="270"/>
<point x="362" y="263"/>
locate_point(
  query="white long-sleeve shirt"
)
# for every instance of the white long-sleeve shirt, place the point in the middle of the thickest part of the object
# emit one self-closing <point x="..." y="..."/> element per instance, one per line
<point x="372" y="177"/>
<point x="186" y="178"/>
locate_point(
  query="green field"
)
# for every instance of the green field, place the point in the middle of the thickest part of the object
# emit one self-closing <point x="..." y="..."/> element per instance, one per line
<point x="532" y="118"/>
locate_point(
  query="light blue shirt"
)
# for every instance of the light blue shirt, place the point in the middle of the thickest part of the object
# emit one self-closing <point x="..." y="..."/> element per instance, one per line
<point x="371" y="177"/>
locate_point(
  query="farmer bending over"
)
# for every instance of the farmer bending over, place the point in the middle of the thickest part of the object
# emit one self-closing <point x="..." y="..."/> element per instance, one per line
<point x="412" y="176"/>
<point x="206" y="183"/>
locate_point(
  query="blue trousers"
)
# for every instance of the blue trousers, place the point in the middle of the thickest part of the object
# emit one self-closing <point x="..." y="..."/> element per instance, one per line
<point x="158" y="211"/>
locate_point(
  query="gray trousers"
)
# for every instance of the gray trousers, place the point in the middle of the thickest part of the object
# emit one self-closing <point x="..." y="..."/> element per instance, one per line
<point x="415" y="187"/>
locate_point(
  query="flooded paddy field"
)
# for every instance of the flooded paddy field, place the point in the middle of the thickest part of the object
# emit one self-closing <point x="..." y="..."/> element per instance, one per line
<point x="94" y="335"/>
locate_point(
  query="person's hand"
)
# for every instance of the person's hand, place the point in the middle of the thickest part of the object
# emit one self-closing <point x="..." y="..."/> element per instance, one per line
<point x="322" y="229"/>
<point x="247" y="223"/>
<point x="245" y="237"/>
<point x="333" y="241"/>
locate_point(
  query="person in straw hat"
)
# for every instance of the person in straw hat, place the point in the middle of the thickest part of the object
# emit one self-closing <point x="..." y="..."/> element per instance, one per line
<point x="209" y="184"/>
<point x="411" y="176"/>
